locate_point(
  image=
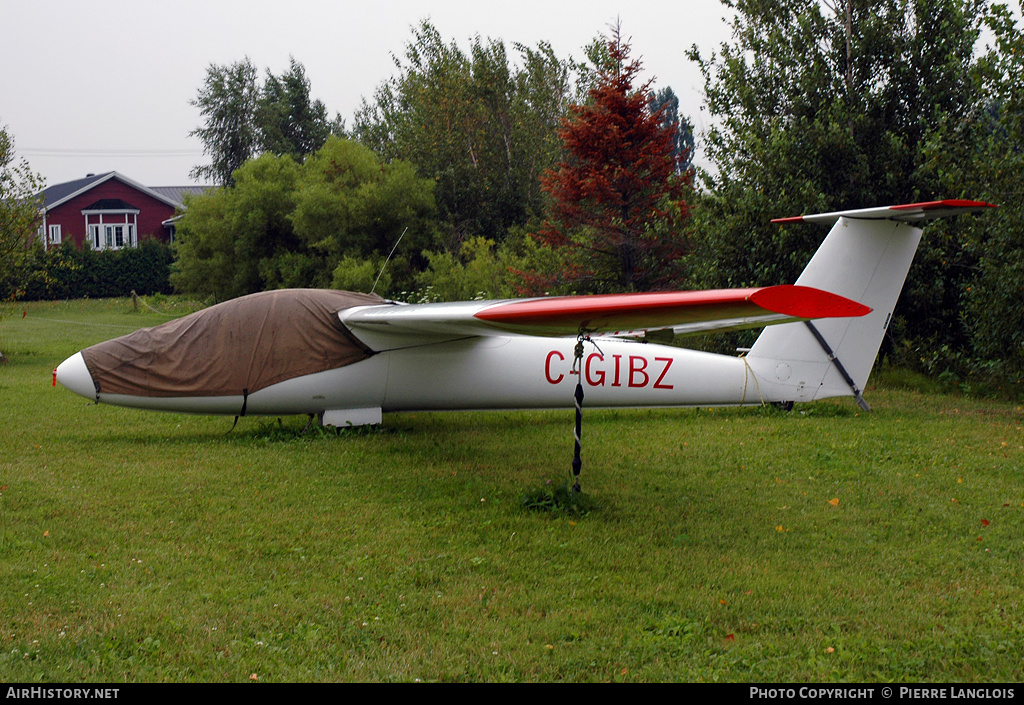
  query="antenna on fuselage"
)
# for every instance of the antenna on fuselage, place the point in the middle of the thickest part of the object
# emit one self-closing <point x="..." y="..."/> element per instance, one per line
<point x="388" y="258"/>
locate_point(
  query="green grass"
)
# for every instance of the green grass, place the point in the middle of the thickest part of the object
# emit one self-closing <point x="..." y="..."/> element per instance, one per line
<point x="825" y="544"/>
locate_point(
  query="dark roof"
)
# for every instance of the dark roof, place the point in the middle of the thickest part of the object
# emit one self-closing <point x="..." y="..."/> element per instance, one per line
<point x="110" y="204"/>
<point x="178" y="193"/>
<point x="59" y="192"/>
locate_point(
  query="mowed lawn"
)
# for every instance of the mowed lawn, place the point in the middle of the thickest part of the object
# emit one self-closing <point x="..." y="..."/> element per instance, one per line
<point x="824" y="544"/>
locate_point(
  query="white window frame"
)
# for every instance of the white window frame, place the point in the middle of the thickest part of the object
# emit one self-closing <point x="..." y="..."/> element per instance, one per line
<point x="117" y="236"/>
<point x="104" y="232"/>
<point x="54" y="236"/>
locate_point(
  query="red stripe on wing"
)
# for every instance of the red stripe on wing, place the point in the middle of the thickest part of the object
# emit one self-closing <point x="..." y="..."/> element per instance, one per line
<point x="664" y="309"/>
<point x="936" y="205"/>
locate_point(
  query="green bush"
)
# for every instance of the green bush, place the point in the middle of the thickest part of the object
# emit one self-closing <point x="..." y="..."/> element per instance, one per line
<point x="67" y="272"/>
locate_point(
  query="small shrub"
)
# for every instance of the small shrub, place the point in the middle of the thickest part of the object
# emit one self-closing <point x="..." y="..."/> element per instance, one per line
<point x="558" y="499"/>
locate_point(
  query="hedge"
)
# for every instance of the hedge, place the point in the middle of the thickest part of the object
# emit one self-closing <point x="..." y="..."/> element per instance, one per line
<point x="68" y="272"/>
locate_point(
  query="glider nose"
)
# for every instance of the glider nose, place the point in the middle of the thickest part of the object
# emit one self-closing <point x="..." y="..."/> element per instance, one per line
<point x="74" y="375"/>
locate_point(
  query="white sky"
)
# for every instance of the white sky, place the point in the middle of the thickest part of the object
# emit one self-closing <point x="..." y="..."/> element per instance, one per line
<point x="91" y="86"/>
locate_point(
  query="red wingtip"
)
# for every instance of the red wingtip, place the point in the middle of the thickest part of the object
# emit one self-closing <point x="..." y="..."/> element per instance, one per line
<point x="807" y="302"/>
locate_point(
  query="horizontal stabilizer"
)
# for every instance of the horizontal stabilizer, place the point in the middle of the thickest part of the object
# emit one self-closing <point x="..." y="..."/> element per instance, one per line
<point x="908" y="213"/>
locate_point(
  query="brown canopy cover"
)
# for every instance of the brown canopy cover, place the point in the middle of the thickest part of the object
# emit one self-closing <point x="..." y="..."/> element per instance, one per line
<point x="234" y="348"/>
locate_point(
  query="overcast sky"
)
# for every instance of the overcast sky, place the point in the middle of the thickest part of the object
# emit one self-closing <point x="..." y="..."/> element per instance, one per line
<point x="89" y="87"/>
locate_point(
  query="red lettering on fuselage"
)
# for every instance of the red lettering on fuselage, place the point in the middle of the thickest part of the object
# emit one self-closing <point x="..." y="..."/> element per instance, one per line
<point x="637" y="365"/>
<point x="596" y="374"/>
<point x="598" y="379"/>
<point x="664" y="371"/>
<point x="547" y="367"/>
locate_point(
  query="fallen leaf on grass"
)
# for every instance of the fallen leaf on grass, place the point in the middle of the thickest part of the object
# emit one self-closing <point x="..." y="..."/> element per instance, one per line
<point x="834" y="502"/>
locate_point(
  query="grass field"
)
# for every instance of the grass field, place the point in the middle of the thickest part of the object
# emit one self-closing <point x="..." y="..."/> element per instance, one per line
<point x="824" y="544"/>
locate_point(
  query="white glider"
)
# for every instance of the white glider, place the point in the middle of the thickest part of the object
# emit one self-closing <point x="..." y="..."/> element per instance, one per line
<point x="350" y="357"/>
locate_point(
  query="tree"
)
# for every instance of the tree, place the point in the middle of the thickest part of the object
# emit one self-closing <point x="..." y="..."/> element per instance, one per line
<point x="482" y="129"/>
<point x="980" y="154"/>
<point x="822" y="106"/>
<point x="19" y="215"/>
<point x="227" y="101"/>
<point x="285" y="224"/>
<point x="227" y="236"/>
<point x="351" y="204"/>
<point x="289" y="120"/>
<point x="243" y="119"/>
<point x="617" y="197"/>
<point x="666" y="102"/>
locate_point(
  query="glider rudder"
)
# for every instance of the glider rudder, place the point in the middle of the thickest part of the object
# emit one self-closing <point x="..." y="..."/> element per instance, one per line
<point x="865" y="257"/>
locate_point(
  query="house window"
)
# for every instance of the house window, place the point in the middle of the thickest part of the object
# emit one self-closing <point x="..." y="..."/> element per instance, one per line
<point x="55" y="234"/>
<point x="113" y="236"/>
<point x="111" y="224"/>
<point x="117" y="236"/>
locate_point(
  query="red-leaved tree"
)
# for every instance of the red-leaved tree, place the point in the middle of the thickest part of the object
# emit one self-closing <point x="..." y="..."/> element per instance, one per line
<point x="618" y="204"/>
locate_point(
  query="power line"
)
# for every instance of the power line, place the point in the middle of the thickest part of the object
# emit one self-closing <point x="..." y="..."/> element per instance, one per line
<point x="63" y="152"/>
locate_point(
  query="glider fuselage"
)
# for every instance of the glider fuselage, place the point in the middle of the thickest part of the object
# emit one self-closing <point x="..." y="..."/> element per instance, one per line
<point x="495" y="372"/>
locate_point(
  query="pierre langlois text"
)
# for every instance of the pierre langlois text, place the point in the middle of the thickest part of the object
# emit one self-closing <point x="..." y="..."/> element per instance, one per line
<point x="952" y="692"/>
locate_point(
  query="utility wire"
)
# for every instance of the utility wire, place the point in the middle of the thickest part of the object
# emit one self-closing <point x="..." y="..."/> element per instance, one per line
<point x="62" y="152"/>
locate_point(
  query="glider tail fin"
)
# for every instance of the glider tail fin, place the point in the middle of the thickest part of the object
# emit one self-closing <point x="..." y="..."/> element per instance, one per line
<point x="865" y="257"/>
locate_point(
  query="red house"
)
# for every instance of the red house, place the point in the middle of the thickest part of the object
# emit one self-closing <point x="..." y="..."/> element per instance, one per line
<point x="109" y="211"/>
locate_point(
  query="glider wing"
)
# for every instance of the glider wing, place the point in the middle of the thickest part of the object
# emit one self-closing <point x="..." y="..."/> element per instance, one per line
<point x="683" y="312"/>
